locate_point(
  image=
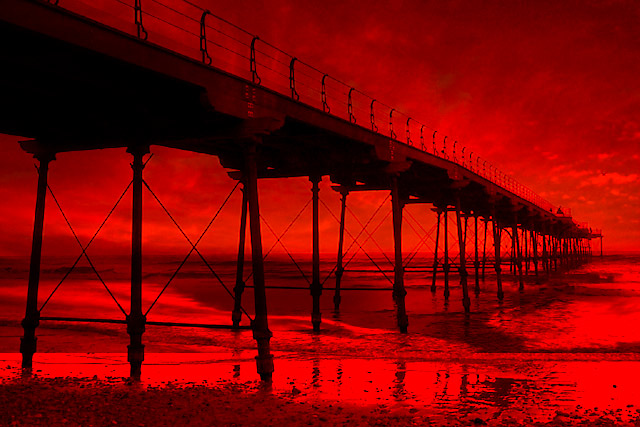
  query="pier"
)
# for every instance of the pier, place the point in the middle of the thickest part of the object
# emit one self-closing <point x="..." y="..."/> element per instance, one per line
<point x="72" y="82"/>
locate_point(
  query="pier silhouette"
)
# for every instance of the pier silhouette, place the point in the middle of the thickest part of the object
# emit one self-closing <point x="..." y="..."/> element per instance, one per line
<point x="75" y="79"/>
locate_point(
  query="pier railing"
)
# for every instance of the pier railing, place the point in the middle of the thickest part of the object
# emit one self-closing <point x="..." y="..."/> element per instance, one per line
<point x="190" y="30"/>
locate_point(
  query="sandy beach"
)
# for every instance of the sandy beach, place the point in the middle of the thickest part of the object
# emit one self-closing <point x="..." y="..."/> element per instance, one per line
<point x="34" y="400"/>
<point x="44" y="397"/>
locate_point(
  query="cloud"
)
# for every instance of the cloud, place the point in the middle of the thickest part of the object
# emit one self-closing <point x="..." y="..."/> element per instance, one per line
<point x="604" y="156"/>
<point x="608" y="179"/>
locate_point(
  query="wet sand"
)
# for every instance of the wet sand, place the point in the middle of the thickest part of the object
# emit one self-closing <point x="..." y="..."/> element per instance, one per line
<point x="34" y="400"/>
<point x="63" y="390"/>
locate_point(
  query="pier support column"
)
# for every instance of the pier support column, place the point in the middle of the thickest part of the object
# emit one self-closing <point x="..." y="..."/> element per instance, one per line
<point x="339" y="268"/>
<point x="239" y="287"/>
<point x="580" y="248"/>
<point x="512" y="259"/>
<point x="549" y="252"/>
<point x="435" y="254"/>
<point x="545" y="254"/>
<point x="316" y="286"/>
<point x="135" y="319"/>
<point x="497" y="237"/>
<point x="445" y="265"/>
<point x="517" y="251"/>
<point x="484" y="248"/>
<point x="534" y="243"/>
<point x="555" y="253"/>
<point x="466" y="302"/>
<point x="476" y="262"/>
<point x="32" y="314"/>
<point x="260" y="324"/>
<point x="525" y="249"/>
<point x="399" y="292"/>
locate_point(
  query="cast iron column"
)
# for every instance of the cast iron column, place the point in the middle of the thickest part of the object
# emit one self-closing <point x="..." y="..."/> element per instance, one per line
<point x="32" y="314"/>
<point x="517" y="251"/>
<point x="260" y="324"/>
<point x="466" y="303"/>
<point x="497" y="231"/>
<point x="339" y="268"/>
<point x="545" y="255"/>
<point x="446" y="266"/>
<point x="534" y="240"/>
<point x="435" y="254"/>
<point x="484" y="248"/>
<point x="316" y="286"/>
<point x="135" y="319"/>
<point x="236" y="316"/>
<point x="525" y="249"/>
<point x="476" y="262"/>
<point x="399" y="292"/>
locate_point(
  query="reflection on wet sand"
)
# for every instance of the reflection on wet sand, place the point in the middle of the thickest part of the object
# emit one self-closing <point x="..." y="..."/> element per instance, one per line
<point x="524" y="388"/>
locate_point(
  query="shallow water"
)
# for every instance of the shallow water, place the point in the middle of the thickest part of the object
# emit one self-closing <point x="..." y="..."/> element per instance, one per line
<point x="563" y="343"/>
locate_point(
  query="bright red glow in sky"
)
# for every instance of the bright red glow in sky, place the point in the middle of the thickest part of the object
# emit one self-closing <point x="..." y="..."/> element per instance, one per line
<point x="548" y="91"/>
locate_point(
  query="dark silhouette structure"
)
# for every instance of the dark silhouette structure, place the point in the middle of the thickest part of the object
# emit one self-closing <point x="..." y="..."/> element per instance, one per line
<point x="72" y="83"/>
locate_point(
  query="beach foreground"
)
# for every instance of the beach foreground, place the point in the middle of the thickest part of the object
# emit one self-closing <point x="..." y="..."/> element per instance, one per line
<point x="64" y="393"/>
<point x="33" y="400"/>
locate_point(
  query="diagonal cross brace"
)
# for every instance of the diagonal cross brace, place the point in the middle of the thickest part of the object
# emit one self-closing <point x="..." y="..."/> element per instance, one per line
<point x="355" y="241"/>
<point x="84" y="248"/>
<point x="279" y="241"/>
<point x="193" y="247"/>
<point x="278" y="238"/>
<point x="364" y="229"/>
<point x="423" y="240"/>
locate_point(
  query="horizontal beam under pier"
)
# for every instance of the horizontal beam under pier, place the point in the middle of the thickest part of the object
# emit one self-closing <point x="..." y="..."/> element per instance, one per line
<point x="122" y="321"/>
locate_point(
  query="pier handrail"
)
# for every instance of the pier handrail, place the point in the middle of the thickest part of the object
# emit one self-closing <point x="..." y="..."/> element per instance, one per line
<point x="230" y="48"/>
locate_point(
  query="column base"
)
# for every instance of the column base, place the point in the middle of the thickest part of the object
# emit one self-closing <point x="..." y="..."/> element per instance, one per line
<point x="28" y="342"/>
<point x="28" y="349"/>
<point x="135" y="359"/>
<point x="316" y="320"/>
<point x="403" y="323"/>
<point x="264" y="366"/>
<point x="236" y="316"/>
<point x="337" y="299"/>
<point x="466" y="303"/>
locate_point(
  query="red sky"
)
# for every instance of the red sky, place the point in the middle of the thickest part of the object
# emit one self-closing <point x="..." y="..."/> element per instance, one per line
<point x="548" y="91"/>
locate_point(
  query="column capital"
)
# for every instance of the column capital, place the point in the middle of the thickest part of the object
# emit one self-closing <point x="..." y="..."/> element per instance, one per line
<point x="45" y="156"/>
<point x="138" y="149"/>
